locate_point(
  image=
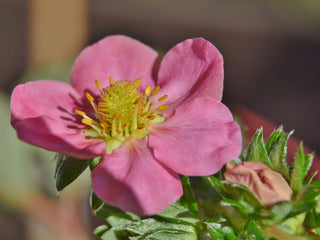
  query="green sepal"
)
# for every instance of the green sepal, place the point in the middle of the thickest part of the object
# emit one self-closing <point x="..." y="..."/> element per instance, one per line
<point x="68" y="169"/>
<point x="94" y="162"/>
<point x="236" y="195"/>
<point x="257" y="151"/>
<point x="300" y="169"/>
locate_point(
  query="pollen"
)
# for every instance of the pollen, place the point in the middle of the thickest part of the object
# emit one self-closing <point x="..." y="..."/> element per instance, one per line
<point x="122" y="110"/>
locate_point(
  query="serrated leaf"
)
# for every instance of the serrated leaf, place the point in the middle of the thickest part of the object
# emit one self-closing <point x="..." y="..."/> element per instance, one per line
<point x="215" y="183"/>
<point x="242" y="194"/>
<point x="188" y="199"/>
<point x="68" y="169"/>
<point x="115" y="216"/>
<point x="220" y="228"/>
<point x="278" y="155"/>
<point x="274" y="138"/>
<point x="152" y="229"/>
<point x="257" y="151"/>
<point x="177" y="213"/>
<point x="115" y="233"/>
<point x="300" y="169"/>
<point x="307" y="199"/>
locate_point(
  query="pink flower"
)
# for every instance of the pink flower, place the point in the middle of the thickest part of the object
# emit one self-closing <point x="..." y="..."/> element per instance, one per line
<point x="269" y="186"/>
<point x="169" y="121"/>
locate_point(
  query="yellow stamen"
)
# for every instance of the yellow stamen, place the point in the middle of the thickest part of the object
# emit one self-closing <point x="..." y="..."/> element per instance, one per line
<point x="163" y="107"/>
<point x="86" y="121"/>
<point x="89" y="97"/>
<point x="98" y="84"/>
<point x="111" y="80"/>
<point x="155" y="90"/>
<point x="163" y="98"/>
<point x="137" y="82"/>
<point x="79" y="112"/>
<point x="147" y="92"/>
<point x="122" y="111"/>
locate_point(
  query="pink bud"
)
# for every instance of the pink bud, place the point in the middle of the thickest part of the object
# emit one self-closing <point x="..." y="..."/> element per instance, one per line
<point x="268" y="186"/>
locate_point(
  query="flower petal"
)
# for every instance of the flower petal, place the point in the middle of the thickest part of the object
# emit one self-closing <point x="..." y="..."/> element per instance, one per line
<point x="198" y="139"/>
<point x="193" y="68"/>
<point x="42" y="114"/>
<point x="116" y="56"/>
<point x="133" y="180"/>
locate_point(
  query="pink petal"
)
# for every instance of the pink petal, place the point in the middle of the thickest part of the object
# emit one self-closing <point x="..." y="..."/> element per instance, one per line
<point x="42" y="114"/>
<point x="198" y="139"/>
<point x="116" y="56"/>
<point x="133" y="180"/>
<point x="193" y="68"/>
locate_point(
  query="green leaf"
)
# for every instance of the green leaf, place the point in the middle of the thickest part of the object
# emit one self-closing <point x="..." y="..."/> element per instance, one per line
<point x="116" y="217"/>
<point x="257" y="151"/>
<point x="278" y="154"/>
<point x="95" y="202"/>
<point x="274" y="138"/>
<point x="68" y="169"/>
<point x="293" y="225"/>
<point x="252" y="231"/>
<point x="113" y="233"/>
<point x="94" y="162"/>
<point x="188" y="199"/>
<point x="177" y="213"/>
<point x="152" y="229"/>
<point x="313" y="218"/>
<point x="307" y="199"/>
<point x="300" y="169"/>
<point x="242" y="194"/>
<point x="220" y="228"/>
<point x="277" y="213"/>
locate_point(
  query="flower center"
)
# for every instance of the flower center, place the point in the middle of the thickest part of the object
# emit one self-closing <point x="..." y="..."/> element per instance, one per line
<point x="122" y="111"/>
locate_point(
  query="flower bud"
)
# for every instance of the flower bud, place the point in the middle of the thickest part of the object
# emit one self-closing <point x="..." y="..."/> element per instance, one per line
<point x="267" y="185"/>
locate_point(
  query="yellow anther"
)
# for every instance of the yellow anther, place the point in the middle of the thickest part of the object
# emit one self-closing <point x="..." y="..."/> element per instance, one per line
<point x="98" y="84"/>
<point x="163" y="98"/>
<point x="86" y="121"/>
<point x="151" y="117"/>
<point x="89" y="97"/>
<point x="111" y="80"/>
<point x="81" y="113"/>
<point x="148" y="91"/>
<point x="140" y="126"/>
<point x="163" y="107"/>
<point x="137" y="82"/>
<point x="155" y="90"/>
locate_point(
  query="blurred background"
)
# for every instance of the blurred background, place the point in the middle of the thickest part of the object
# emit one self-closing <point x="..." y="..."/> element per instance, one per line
<point x="271" y="52"/>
